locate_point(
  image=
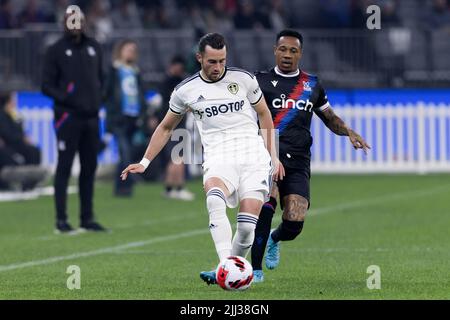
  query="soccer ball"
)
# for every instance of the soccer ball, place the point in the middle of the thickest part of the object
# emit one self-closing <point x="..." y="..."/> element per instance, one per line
<point x="234" y="273"/>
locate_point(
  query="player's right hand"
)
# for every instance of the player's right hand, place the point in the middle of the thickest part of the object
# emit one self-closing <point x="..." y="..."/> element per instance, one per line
<point x="132" y="168"/>
<point x="278" y="172"/>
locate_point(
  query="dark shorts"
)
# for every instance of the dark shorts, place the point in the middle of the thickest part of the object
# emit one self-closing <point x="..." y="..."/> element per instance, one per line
<point x="296" y="178"/>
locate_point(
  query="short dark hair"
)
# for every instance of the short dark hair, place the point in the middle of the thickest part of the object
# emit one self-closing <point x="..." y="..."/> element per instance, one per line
<point x="290" y="33"/>
<point x="214" y="40"/>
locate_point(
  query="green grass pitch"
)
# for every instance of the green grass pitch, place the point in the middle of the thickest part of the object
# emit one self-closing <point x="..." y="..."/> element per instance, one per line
<point x="157" y="247"/>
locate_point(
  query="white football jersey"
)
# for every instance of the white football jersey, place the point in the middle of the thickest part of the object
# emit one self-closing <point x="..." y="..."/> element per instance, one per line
<point x="223" y="112"/>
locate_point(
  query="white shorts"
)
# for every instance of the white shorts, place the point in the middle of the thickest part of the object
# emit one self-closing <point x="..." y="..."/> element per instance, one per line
<point x="241" y="179"/>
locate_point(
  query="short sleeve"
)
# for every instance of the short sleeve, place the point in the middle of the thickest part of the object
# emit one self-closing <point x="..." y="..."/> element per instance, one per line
<point x="176" y="105"/>
<point x="322" y="101"/>
<point x="254" y="93"/>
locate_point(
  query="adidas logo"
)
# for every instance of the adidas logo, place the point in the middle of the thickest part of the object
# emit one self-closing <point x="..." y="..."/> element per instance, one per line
<point x="212" y="226"/>
<point x="201" y="98"/>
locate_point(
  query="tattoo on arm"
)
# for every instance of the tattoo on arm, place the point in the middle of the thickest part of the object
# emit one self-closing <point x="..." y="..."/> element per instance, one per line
<point x="334" y="123"/>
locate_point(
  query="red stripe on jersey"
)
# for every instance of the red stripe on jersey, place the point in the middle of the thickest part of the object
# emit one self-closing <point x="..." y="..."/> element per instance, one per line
<point x="296" y="92"/>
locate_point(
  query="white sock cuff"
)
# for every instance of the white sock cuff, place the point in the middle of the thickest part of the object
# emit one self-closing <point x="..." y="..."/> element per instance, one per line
<point x="217" y="192"/>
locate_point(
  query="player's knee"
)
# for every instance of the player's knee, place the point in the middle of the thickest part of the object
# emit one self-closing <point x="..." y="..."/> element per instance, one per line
<point x="215" y="202"/>
<point x="292" y="215"/>
<point x="295" y="209"/>
<point x="246" y="228"/>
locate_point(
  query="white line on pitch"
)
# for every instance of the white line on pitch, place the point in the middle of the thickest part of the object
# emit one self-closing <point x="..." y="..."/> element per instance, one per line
<point x="376" y="200"/>
<point x="103" y="251"/>
<point x="136" y="244"/>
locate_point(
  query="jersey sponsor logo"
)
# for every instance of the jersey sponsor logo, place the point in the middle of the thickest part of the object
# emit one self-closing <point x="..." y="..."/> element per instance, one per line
<point x="199" y="113"/>
<point x="223" y="108"/>
<point x="274" y="83"/>
<point x="283" y="103"/>
<point x="233" y="88"/>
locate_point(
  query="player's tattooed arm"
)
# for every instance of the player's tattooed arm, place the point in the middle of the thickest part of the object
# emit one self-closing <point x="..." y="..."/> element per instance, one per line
<point x="334" y="123"/>
<point x="338" y="126"/>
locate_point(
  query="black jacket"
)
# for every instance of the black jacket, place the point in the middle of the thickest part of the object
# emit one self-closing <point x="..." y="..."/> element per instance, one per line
<point x="73" y="76"/>
<point x="112" y="94"/>
<point x="11" y="131"/>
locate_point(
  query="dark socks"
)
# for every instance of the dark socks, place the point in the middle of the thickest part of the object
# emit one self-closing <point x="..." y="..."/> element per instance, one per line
<point x="287" y="230"/>
<point x="262" y="232"/>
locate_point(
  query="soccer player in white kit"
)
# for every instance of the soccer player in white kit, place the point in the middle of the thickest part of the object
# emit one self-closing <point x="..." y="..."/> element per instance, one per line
<point x="239" y="164"/>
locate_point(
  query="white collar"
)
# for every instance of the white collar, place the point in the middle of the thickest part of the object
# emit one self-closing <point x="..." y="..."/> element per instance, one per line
<point x="290" y="75"/>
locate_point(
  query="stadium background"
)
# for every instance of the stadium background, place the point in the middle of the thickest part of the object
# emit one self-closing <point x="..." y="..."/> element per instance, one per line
<point x="393" y="84"/>
<point x="410" y="51"/>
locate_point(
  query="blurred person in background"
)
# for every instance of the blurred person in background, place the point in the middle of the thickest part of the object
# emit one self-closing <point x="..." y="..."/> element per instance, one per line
<point x="126" y="16"/>
<point x="218" y="18"/>
<point x="125" y="107"/>
<point x="32" y="13"/>
<point x="7" y="18"/>
<point x="60" y="11"/>
<point x="175" y="168"/>
<point x="389" y="14"/>
<point x="277" y="14"/>
<point x="12" y="133"/>
<point x="247" y="17"/>
<point x="98" y="20"/>
<point x="16" y="149"/>
<point x="439" y="15"/>
<point x="335" y="13"/>
<point x="358" y="15"/>
<point x="72" y="77"/>
<point x="155" y="16"/>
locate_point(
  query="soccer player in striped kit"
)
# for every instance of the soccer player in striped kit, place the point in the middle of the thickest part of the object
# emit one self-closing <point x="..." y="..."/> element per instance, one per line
<point x="292" y="96"/>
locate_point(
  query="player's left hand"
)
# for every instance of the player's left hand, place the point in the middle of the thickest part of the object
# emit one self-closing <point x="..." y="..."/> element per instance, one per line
<point x="357" y="141"/>
<point x="278" y="172"/>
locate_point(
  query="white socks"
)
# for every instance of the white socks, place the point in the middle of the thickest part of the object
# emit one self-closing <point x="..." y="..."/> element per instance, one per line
<point x="245" y="234"/>
<point x="219" y="225"/>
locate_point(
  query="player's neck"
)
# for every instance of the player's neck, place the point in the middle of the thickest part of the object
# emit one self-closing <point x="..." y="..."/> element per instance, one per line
<point x="205" y="78"/>
<point x="284" y="74"/>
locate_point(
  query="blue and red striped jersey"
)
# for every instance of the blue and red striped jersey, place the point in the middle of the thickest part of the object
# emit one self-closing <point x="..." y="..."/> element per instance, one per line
<point x="292" y="101"/>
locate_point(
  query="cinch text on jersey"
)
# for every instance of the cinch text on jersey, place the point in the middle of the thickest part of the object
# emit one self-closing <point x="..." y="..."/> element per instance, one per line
<point x="284" y="103"/>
